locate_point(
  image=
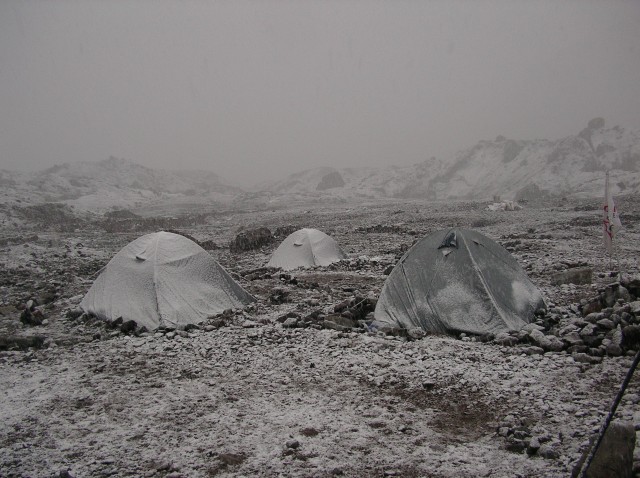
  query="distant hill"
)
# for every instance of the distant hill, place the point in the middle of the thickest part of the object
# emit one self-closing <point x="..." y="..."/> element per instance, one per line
<point x="571" y="166"/>
<point x="107" y="184"/>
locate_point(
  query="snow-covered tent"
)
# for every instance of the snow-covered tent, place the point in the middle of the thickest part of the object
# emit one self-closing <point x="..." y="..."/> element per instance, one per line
<point x="458" y="281"/>
<point x="306" y="248"/>
<point x="163" y="279"/>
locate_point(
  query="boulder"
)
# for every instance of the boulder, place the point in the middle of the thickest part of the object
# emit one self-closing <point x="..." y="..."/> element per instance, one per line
<point x="577" y="275"/>
<point x="251" y="239"/>
<point x="615" y="454"/>
<point x="505" y="339"/>
<point x="631" y="336"/>
<point x="547" y="342"/>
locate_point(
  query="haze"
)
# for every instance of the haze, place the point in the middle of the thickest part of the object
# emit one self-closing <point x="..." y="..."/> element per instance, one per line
<point x="258" y="90"/>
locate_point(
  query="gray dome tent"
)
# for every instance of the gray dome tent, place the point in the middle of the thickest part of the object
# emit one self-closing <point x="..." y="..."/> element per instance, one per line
<point x="163" y="279"/>
<point x="306" y="248"/>
<point x="457" y="281"/>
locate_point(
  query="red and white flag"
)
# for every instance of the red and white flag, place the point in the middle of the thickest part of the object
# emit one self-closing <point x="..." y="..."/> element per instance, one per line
<point x="611" y="220"/>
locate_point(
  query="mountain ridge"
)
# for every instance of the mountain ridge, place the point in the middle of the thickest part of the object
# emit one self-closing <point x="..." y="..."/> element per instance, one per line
<point x="513" y="169"/>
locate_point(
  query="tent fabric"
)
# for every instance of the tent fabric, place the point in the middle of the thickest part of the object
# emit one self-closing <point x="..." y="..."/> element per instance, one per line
<point x="306" y="248"/>
<point x="163" y="279"/>
<point x="457" y="280"/>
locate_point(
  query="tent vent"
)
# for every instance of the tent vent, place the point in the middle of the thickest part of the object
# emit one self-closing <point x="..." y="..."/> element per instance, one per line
<point x="141" y="257"/>
<point x="450" y="240"/>
<point x="298" y="244"/>
<point x="446" y="252"/>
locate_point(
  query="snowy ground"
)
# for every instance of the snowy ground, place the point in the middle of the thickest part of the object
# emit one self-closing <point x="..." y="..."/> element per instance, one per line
<point x="253" y="398"/>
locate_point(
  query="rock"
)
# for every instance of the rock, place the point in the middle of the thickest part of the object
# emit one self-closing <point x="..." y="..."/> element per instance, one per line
<point x="531" y="327"/>
<point x="21" y="342"/>
<point x="279" y="296"/>
<point x="615" y="455"/>
<point x="594" y="317"/>
<point x="387" y="270"/>
<point x="338" y="308"/>
<point x="74" y="313"/>
<point x="505" y="339"/>
<point x="290" y="322"/>
<point x="416" y="333"/>
<point x="592" y="306"/>
<point x="605" y="324"/>
<point x="128" y="326"/>
<point x="337" y="322"/>
<point x="29" y="317"/>
<point x="578" y="349"/>
<point x="293" y="444"/>
<point x="533" y="447"/>
<point x="216" y="323"/>
<point x="549" y="451"/>
<point x="614" y="350"/>
<point x="231" y="459"/>
<point x="587" y="330"/>
<point x="65" y="474"/>
<point x="577" y="275"/>
<point x="584" y="358"/>
<point x="634" y="308"/>
<point x="547" y="342"/>
<point x="533" y="350"/>
<point x="251" y="239"/>
<point x="631" y="336"/>
<point x="613" y="292"/>
<point x="515" y="445"/>
<point x="573" y="339"/>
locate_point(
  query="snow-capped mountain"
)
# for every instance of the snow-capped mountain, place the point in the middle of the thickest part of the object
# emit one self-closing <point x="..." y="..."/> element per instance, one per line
<point x="571" y="166"/>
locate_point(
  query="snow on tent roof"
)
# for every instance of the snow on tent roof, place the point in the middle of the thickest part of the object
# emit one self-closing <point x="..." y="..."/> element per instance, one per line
<point x="458" y="281"/>
<point x="163" y="279"/>
<point x="306" y="248"/>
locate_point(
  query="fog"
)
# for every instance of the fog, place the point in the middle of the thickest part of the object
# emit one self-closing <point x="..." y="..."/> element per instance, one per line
<point x="257" y="90"/>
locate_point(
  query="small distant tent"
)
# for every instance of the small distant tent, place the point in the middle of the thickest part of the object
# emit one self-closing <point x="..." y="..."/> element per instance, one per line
<point x="306" y="248"/>
<point x="458" y="281"/>
<point x="163" y="279"/>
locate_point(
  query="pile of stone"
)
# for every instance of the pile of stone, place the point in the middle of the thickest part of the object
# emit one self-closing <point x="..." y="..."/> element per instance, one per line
<point x="32" y="315"/>
<point x="354" y="314"/>
<point x="111" y="328"/>
<point x="251" y="239"/>
<point x="608" y="324"/>
<point x="386" y="228"/>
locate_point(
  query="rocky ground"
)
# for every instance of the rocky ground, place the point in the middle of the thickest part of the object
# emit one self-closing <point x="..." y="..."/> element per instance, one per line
<point x="295" y="385"/>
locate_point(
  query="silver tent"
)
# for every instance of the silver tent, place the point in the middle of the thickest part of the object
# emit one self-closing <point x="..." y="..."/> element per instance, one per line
<point x="163" y="279"/>
<point x="458" y="280"/>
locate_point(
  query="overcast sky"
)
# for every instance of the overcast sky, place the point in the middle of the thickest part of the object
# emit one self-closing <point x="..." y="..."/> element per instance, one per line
<point x="256" y="90"/>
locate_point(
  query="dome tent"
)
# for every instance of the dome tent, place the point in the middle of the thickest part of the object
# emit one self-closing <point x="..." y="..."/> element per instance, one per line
<point x="457" y="281"/>
<point x="163" y="279"/>
<point x="306" y="248"/>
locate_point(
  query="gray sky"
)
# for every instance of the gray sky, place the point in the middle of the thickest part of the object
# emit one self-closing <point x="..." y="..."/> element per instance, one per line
<point x="256" y="90"/>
